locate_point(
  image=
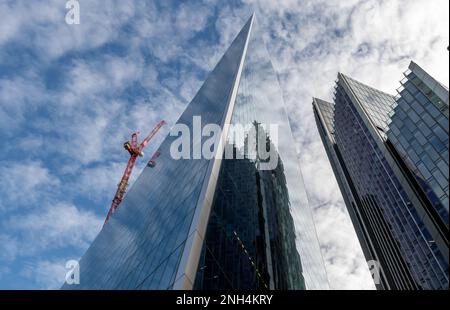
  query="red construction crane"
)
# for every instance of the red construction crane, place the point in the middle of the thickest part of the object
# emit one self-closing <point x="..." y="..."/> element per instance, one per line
<point x="135" y="150"/>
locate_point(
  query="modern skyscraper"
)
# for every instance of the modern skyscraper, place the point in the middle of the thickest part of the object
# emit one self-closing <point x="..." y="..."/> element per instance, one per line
<point x="390" y="158"/>
<point x="217" y="223"/>
<point x="418" y="131"/>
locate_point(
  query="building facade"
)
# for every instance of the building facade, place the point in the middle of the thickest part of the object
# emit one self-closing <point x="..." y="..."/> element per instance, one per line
<point x="399" y="215"/>
<point x="418" y="130"/>
<point x="199" y="223"/>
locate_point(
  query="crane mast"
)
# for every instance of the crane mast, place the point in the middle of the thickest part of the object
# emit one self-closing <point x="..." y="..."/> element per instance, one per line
<point x="135" y="150"/>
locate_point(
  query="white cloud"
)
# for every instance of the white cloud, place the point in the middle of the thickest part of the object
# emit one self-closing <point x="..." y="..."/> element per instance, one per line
<point x="46" y="274"/>
<point x="52" y="226"/>
<point x="9" y="23"/>
<point x="316" y="169"/>
<point x="18" y="96"/>
<point x="40" y="25"/>
<point x="107" y="75"/>
<point x="10" y="247"/>
<point x="99" y="183"/>
<point x="341" y="250"/>
<point x="24" y="183"/>
<point x="192" y="17"/>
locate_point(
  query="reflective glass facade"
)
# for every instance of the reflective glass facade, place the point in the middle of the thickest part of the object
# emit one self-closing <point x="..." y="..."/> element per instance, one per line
<point x="279" y="193"/>
<point x="324" y="115"/>
<point x="251" y="247"/>
<point x="391" y="219"/>
<point x="418" y="129"/>
<point x="215" y="223"/>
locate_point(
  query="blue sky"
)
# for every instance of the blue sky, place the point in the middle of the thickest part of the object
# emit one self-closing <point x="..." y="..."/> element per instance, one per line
<point x="70" y="95"/>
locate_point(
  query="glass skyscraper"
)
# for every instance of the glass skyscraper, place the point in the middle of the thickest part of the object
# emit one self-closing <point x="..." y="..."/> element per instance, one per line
<point x="418" y="130"/>
<point x="390" y="158"/>
<point x="216" y="223"/>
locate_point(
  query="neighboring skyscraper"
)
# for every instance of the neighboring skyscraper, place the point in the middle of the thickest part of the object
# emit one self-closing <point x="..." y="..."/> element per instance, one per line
<point x="418" y="131"/>
<point x="213" y="223"/>
<point x="390" y="158"/>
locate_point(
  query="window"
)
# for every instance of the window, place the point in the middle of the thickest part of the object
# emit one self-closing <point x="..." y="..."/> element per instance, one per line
<point x="407" y="96"/>
<point x="411" y="88"/>
<point x="432" y="153"/>
<point x="440" y="133"/>
<point x="424" y="171"/>
<point x="428" y="162"/>
<point x="416" y="106"/>
<point x="422" y="99"/>
<point x="433" y="110"/>
<point x="424" y="129"/>
<point x="413" y="156"/>
<point x="413" y="115"/>
<point x="443" y="121"/>
<point x="410" y="125"/>
<point x="420" y="137"/>
<point x="394" y="129"/>
<point x="403" y="141"/>
<point x="436" y="188"/>
<point x="443" y="166"/>
<point x="428" y="120"/>
<point x="443" y="181"/>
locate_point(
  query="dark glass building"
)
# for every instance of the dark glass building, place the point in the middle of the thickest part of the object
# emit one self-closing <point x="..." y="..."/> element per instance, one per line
<point x="418" y="130"/>
<point x="378" y="146"/>
<point x="199" y="223"/>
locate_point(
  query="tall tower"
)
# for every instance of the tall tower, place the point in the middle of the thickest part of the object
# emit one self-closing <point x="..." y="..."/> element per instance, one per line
<point x="199" y="223"/>
<point x="390" y="158"/>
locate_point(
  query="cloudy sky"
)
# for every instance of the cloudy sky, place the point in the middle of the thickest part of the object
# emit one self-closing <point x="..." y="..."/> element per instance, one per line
<point x="71" y="94"/>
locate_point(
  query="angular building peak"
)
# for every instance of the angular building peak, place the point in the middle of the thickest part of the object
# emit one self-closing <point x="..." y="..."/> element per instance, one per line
<point x="326" y="111"/>
<point x="374" y="104"/>
<point x="438" y="88"/>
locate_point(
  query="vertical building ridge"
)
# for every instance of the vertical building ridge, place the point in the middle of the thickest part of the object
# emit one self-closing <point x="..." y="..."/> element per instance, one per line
<point x="189" y="261"/>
